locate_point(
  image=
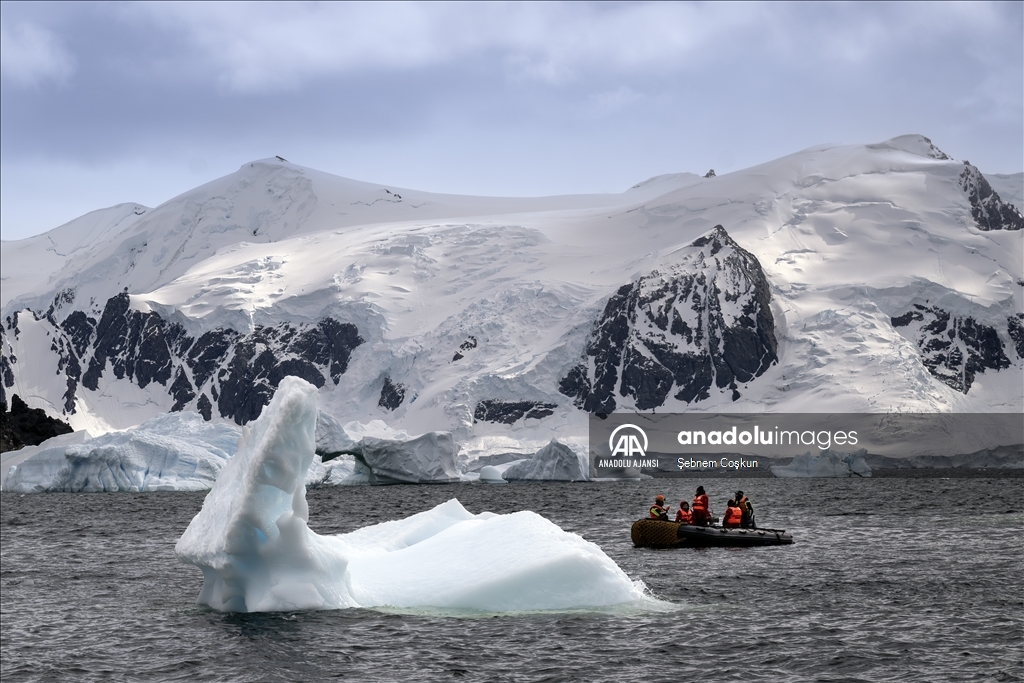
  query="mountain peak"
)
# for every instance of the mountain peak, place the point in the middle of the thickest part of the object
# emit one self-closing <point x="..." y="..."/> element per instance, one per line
<point x="914" y="144"/>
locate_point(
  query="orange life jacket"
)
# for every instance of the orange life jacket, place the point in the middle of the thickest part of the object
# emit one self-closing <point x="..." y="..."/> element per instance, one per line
<point x="732" y="517"/>
<point x="700" y="503"/>
<point x="684" y="516"/>
<point x="658" y="512"/>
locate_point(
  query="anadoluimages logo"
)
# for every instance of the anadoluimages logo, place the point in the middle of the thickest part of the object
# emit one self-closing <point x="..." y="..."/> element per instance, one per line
<point x="628" y="445"/>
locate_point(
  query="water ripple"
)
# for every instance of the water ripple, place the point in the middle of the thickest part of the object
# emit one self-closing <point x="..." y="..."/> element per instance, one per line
<point x="889" y="580"/>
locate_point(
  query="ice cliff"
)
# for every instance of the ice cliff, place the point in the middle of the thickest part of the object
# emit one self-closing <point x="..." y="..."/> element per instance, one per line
<point x="174" y="452"/>
<point x="826" y="463"/>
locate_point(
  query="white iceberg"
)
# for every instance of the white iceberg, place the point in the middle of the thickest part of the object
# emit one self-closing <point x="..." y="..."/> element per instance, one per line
<point x="553" y="462"/>
<point x="827" y="463"/>
<point x="431" y="458"/>
<point x="492" y="474"/>
<point x="388" y="456"/>
<point x="331" y="436"/>
<point x="257" y="553"/>
<point x="172" y="452"/>
<point x="47" y="451"/>
<point x="341" y="470"/>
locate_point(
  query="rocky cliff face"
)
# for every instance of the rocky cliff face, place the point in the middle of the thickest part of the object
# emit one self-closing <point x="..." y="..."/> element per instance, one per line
<point x="222" y="369"/>
<point x="701" y="322"/>
<point x="24" y="426"/>
<point x="955" y="348"/>
<point x="989" y="211"/>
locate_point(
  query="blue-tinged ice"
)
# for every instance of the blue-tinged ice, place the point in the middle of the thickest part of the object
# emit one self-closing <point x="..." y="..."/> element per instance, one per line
<point x="173" y="452"/>
<point x="252" y="542"/>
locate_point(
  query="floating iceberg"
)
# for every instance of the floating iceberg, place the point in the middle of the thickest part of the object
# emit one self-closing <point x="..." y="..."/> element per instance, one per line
<point x="553" y="462"/>
<point x="339" y="471"/>
<point x="492" y="474"/>
<point x="827" y="463"/>
<point x="257" y="553"/>
<point x="173" y="452"/>
<point x="331" y="437"/>
<point x="389" y="456"/>
<point x="44" y="458"/>
<point x="431" y="458"/>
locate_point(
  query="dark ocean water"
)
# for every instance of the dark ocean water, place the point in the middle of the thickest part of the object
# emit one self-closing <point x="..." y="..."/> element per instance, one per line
<point x="889" y="580"/>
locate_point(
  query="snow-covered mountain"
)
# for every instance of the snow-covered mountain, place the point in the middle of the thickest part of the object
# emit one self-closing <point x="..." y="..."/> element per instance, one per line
<point x="840" y="278"/>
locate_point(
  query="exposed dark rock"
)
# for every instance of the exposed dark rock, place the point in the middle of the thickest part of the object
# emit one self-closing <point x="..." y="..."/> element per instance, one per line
<point x="204" y="407"/>
<point x="111" y="338"/>
<point x="953" y="348"/>
<point x="470" y="343"/>
<point x="29" y="426"/>
<point x="209" y="351"/>
<point x="137" y="345"/>
<point x="705" y="321"/>
<point x="1015" y="328"/>
<point x="181" y="391"/>
<point x="710" y="174"/>
<point x="262" y="359"/>
<point x="391" y="394"/>
<point x="906" y="319"/>
<point x="68" y="362"/>
<point x="989" y="211"/>
<point x="6" y="371"/>
<point x="508" y="412"/>
<point x="934" y="152"/>
<point x="9" y="439"/>
<point x="241" y="372"/>
<point x="245" y="389"/>
<point x="330" y="343"/>
<point x="79" y="328"/>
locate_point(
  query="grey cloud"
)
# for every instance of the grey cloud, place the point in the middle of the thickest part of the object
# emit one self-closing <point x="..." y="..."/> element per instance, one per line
<point x="30" y="54"/>
<point x="507" y="98"/>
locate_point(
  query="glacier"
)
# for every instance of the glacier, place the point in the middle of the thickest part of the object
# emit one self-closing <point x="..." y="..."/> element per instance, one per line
<point x="826" y="463"/>
<point x="252" y="542"/>
<point x="173" y="452"/>
<point x="865" y="278"/>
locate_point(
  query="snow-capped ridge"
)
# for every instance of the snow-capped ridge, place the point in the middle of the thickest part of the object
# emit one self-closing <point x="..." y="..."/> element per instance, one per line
<point x="701" y="319"/>
<point x="914" y="144"/>
<point x="473" y="311"/>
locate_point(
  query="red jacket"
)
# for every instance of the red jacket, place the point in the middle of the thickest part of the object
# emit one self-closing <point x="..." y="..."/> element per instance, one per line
<point x="732" y="517"/>
<point x="700" y="503"/>
<point x="684" y="516"/>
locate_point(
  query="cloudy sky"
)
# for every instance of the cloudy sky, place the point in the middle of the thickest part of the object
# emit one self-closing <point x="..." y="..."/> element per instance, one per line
<point x="112" y="102"/>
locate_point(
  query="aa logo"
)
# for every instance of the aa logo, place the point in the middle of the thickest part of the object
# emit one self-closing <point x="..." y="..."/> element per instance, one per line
<point x="628" y="442"/>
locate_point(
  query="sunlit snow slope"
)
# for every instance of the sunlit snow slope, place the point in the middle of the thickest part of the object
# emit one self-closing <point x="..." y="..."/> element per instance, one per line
<point x="843" y="278"/>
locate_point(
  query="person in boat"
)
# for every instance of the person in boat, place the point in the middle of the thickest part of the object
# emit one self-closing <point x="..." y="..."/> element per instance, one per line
<point x="683" y="514"/>
<point x="733" y="515"/>
<point x="747" y="522"/>
<point x="658" y="510"/>
<point x="701" y="509"/>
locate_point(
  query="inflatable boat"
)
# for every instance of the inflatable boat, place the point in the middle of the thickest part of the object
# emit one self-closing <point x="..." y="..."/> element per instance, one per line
<point x="653" y="533"/>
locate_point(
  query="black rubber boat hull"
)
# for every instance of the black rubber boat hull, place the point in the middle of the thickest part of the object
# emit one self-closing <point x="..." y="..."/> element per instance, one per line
<point x="652" y="533"/>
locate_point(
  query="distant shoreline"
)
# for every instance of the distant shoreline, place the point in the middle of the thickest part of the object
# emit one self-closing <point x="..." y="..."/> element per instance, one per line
<point x="881" y="473"/>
